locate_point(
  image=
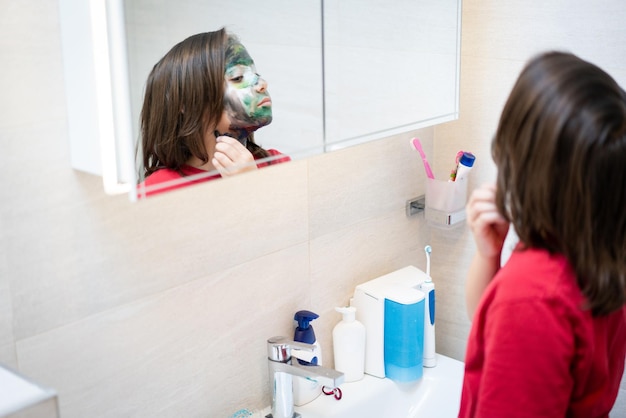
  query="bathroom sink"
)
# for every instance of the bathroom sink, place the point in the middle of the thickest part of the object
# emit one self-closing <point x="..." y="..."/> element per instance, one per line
<point x="437" y="395"/>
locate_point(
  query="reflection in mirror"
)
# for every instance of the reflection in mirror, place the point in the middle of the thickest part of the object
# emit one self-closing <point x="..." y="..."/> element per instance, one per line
<point x="204" y="101"/>
<point x="380" y="71"/>
<point x="388" y="69"/>
<point x="285" y="45"/>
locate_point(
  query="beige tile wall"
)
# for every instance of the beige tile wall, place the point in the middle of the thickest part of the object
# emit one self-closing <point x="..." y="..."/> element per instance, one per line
<point x="161" y="308"/>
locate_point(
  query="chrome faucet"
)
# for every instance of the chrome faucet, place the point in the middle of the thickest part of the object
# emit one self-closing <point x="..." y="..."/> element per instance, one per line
<point x="282" y="369"/>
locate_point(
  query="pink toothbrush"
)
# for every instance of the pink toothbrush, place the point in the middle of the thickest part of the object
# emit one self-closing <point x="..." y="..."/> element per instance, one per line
<point x="415" y="142"/>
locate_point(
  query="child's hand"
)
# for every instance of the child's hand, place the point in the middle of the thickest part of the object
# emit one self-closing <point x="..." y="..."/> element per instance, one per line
<point x="487" y="225"/>
<point x="231" y="157"/>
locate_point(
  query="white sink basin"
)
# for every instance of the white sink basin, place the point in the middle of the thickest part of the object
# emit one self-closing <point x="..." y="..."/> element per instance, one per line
<point x="436" y="395"/>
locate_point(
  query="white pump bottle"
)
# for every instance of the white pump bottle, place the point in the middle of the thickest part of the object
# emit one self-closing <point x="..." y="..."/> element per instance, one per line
<point x="349" y="345"/>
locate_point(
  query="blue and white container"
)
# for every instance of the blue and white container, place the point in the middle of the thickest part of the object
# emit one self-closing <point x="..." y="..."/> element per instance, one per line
<point x="404" y="334"/>
<point x="391" y="308"/>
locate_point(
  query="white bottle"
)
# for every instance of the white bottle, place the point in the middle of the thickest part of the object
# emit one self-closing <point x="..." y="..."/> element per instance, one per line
<point x="466" y="162"/>
<point x="349" y="345"/>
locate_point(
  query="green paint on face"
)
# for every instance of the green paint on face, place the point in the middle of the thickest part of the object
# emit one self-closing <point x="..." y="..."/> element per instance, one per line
<point x="247" y="102"/>
<point x="236" y="54"/>
<point x="242" y="77"/>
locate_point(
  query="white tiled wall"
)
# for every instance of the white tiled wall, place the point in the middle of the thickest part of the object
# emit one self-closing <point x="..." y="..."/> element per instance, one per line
<point x="162" y="308"/>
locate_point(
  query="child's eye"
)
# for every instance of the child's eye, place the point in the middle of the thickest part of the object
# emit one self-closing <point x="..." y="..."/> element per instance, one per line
<point x="238" y="79"/>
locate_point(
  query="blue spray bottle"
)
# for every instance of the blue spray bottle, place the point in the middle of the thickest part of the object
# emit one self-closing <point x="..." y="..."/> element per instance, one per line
<point x="304" y="390"/>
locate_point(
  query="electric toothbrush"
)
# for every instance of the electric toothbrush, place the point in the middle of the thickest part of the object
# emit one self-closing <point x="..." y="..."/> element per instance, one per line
<point x="428" y="250"/>
<point x="428" y="288"/>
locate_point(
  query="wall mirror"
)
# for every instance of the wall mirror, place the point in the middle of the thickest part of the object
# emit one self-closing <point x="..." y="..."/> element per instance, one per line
<point x="389" y="69"/>
<point x="340" y="72"/>
<point x="284" y="38"/>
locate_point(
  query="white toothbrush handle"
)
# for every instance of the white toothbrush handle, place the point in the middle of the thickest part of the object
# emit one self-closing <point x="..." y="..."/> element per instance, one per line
<point x="429" y="324"/>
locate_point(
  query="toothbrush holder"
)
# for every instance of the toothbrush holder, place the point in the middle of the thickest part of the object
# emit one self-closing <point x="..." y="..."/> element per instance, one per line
<point x="445" y="202"/>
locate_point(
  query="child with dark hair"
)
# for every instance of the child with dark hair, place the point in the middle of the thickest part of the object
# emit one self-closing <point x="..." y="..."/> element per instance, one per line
<point x="548" y="334"/>
<point x="203" y="102"/>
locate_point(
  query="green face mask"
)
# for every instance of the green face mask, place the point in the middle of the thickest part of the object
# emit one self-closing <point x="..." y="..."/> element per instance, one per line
<point x="246" y="101"/>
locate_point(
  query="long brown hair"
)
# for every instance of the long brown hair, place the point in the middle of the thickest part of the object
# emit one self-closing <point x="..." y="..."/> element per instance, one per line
<point x="560" y="149"/>
<point x="184" y="95"/>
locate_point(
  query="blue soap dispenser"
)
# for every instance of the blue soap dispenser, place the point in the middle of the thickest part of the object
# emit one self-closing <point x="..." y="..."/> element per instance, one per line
<point x="304" y="390"/>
